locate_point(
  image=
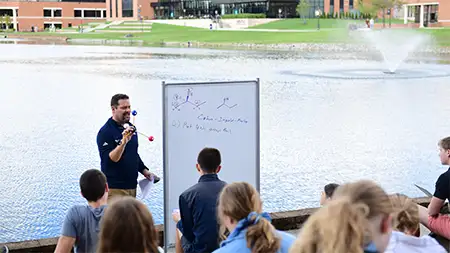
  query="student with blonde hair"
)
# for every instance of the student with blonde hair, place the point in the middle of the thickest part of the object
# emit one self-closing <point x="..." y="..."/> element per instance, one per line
<point x="357" y="219"/>
<point x="431" y="216"/>
<point x="127" y="226"/>
<point x="406" y="225"/>
<point x="250" y="230"/>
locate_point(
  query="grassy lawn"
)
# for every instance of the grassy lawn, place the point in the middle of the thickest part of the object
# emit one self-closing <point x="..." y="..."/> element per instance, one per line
<point x="311" y="24"/>
<point x="171" y="33"/>
<point x="299" y="24"/>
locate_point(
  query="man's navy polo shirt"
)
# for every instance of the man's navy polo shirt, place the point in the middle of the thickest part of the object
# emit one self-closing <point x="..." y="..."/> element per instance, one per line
<point x="198" y="223"/>
<point x="122" y="174"/>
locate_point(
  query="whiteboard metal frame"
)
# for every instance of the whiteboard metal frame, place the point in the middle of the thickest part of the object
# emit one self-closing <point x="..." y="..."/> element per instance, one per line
<point x="165" y="151"/>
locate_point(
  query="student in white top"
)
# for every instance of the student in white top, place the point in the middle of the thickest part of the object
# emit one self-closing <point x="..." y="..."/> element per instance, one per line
<point x="406" y="225"/>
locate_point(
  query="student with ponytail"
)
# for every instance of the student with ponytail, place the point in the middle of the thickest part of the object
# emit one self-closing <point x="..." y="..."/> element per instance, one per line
<point x="356" y="220"/>
<point x="250" y="229"/>
<point x="406" y="224"/>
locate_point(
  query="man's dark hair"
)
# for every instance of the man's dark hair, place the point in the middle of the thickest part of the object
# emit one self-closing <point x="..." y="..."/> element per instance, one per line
<point x="329" y="189"/>
<point x="115" y="99"/>
<point x="92" y="185"/>
<point x="209" y="159"/>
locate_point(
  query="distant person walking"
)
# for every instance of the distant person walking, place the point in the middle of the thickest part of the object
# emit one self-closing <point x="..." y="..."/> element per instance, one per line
<point x="118" y="148"/>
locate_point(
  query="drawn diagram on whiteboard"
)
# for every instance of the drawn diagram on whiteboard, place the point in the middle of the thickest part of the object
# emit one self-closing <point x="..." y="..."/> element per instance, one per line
<point x="225" y="104"/>
<point x="179" y="101"/>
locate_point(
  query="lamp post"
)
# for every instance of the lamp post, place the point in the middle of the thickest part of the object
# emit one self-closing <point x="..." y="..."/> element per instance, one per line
<point x="389" y="13"/>
<point x="318" y="12"/>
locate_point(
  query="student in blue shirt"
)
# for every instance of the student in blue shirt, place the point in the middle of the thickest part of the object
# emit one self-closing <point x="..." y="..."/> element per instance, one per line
<point x="197" y="226"/>
<point x="357" y="219"/>
<point x="240" y="212"/>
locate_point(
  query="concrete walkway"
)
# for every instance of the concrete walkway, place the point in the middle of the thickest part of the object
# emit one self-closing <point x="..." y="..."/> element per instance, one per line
<point x="101" y="27"/>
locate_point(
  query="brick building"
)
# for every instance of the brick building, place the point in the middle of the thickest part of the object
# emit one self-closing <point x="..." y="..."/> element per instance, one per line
<point x="29" y="15"/>
<point x="41" y="14"/>
<point x="427" y="13"/>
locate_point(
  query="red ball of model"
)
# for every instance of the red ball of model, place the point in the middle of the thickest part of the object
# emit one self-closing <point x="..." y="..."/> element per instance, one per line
<point x="151" y="138"/>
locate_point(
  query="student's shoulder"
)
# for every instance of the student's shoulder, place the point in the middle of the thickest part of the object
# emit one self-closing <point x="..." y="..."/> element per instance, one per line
<point x="78" y="209"/>
<point x="189" y="192"/>
<point x="287" y="239"/>
<point x="446" y="174"/>
<point x="76" y="212"/>
<point x="234" y="246"/>
<point x="444" y="177"/>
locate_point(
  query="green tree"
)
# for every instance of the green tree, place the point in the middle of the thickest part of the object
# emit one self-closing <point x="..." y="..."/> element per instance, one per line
<point x="1" y="23"/>
<point x="384" y="5"/>
<point x="303" y="9"/>
<point x="366" y="9"/>
<point x="7" y="22"/>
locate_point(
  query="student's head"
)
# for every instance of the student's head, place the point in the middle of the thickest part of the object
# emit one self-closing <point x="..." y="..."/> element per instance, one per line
<point x="239" y="201"/>
<point x="444" y="151"/>
<point x="208" y="161"/>
<point x="93" y="185"/>
<point x="327" y="193"/>
<point x="127" y="226"/>
<point x="358" y="214"/>
<point x="121" y="109"/>
<point x="405" y="217"/>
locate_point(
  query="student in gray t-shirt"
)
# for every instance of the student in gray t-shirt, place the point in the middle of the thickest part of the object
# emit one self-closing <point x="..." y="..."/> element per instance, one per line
<point x="81" y="225"/>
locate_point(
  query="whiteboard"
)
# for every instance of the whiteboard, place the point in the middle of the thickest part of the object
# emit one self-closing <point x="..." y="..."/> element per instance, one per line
<point x="222" y="115"/>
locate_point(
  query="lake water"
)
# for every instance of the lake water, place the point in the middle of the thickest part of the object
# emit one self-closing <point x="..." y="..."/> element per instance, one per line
<point x="313" y="130"/>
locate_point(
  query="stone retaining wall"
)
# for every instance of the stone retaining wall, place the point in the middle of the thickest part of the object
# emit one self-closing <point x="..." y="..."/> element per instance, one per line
<point x="288" y="220"/>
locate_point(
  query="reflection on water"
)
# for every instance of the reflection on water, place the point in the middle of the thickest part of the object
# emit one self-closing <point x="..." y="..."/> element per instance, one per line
<point x="313" y="131"/>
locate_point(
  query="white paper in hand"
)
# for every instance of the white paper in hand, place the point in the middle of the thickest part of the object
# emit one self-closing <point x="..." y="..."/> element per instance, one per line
<point x="145" y="186"/>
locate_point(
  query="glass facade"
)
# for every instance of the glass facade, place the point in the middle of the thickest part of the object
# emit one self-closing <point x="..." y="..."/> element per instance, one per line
<point x="315" y="5"/>
<point x="205" y="9"/>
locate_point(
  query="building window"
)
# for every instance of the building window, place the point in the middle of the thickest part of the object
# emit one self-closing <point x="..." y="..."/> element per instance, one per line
<point x="117" y="9"/>
<point x="92" y="13"/>
<point x="314" y="6"/>
<point x="104" y="13"/>
<point x="57" y="13"/>
<point x="77" y="13"/>
<point x="127" y="8"/>
<point x="50" y="25"/>
<point x="47" y="13"/>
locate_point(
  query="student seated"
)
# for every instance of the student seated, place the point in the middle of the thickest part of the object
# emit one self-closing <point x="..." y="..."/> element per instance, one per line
<point x="81" y="225"/>
<point x="431" y="218"/>
<point x="128" y="226"/>
<point x="406" y="225"/>
<point x="250" y="230"/>
<point x="328" y="191"/>
<point x="197" y="226"/>
<point x="357" y="219"/>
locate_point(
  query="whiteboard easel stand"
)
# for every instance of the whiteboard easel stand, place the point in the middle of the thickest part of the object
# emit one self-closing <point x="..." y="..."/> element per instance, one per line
<point x="168" y="218"/>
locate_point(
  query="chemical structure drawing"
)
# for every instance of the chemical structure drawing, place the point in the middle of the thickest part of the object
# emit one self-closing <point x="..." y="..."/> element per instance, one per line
<point x="179" y="101"/>
<point x="225" y="104"/>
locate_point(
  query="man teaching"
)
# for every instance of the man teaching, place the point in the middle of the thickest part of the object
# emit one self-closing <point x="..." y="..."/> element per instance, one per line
<point x="118" y="148"/>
